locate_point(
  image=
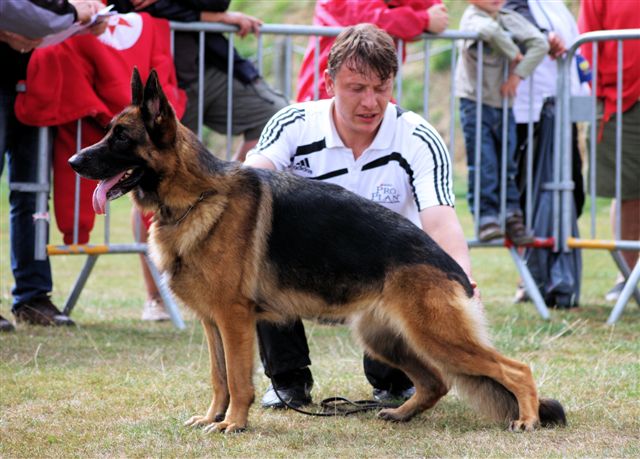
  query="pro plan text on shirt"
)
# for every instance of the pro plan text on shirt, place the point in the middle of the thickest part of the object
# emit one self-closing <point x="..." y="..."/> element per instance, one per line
<point x="406" y="168"/>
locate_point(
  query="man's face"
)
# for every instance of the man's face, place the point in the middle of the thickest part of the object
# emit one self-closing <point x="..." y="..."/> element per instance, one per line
<point x="360" y="101"/>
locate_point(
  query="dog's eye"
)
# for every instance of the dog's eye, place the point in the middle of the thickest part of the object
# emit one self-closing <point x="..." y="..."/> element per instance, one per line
<point x="119" y="134"/>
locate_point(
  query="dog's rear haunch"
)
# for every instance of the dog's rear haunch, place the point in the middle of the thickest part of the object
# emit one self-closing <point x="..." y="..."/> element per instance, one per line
<point x="242" y="244"/>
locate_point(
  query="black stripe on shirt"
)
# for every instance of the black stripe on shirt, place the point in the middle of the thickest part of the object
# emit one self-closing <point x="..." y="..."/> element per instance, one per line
<point x="402" y="162"/>
<point x="311" y="148"/>
<point x="273" y="130"/>
<point x="441" y="163"/>
<point x="329" y="175"/>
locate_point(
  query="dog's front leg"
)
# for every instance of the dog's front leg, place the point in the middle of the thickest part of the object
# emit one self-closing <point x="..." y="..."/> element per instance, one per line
<point x="220" y="400"/>
<point x="237" y="326"/>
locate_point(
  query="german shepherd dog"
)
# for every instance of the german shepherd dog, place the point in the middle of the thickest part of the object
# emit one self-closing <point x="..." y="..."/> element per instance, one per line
<point x="241" y="244"/>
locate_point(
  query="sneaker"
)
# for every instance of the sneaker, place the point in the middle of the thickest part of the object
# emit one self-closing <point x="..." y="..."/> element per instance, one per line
<point x="41" y="311"/>
<point x="517" y="232"/>
<point x="5" y="325"/>
<point x="383" y="395"/>
<point x="155" y="311"/>
<point x="521" y="295"/>
<point x="296" y="395"/>
<point x="489" y="232"/>
<point x="614" y="293"/>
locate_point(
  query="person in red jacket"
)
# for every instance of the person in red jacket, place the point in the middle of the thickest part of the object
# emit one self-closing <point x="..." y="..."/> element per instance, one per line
<point x="607" y="15"/>
<point x="404" y="19"/>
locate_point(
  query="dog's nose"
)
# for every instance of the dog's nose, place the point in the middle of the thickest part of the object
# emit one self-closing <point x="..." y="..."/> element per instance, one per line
<point x="75" y="161"/>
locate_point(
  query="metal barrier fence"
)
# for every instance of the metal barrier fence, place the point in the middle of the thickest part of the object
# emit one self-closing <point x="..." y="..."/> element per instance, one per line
<point x="585" y="109"/>
<point x="561" y="185"/>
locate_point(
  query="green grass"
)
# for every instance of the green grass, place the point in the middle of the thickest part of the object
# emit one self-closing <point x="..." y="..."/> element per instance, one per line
<point x="115" y="386"/>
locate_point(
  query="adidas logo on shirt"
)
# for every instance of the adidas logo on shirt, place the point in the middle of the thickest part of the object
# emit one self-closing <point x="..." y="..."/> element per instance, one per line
<point x="303" y="166"/>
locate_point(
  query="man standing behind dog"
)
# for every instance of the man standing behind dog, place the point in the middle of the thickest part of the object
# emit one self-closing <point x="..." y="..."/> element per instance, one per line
<point x="363" y="142"/>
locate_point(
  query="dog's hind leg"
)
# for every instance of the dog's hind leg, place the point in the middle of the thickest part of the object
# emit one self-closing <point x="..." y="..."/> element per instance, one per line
<point x="385" y="344"/>
<point x="453" y="340"/>
<point x="237" y="326"/>
<point x="220" y="400"/>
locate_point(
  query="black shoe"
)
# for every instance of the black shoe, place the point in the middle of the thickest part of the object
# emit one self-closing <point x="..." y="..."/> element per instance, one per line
<point x="517" y="232"/>
<point x="296" y="395"/>
<point x="489" y="232"/>
<point x="5" y="325"/>
<point x="41" y="311"/>
<point x="383" y="395"/>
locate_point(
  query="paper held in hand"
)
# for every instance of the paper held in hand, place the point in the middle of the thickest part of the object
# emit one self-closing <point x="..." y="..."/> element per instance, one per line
<point x="77" y="27"/>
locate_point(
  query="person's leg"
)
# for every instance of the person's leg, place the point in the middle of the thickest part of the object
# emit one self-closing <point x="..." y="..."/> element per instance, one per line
<point x="515" y="227"/>
<point x="253" y="106"/>
<point x="33" y="282"/>
<point x="32" y="277"/>
<point x="630" y="228"/>
<point x="6" y="102"/>
<point x="387" y="382"/>
<point x="284" y="353"/>
<point x="154" y="309"/>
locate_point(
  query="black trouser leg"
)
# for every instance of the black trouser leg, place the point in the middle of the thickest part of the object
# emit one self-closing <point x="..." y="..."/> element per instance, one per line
<point x="382" y="376"/>
<point x="284" y="352"/>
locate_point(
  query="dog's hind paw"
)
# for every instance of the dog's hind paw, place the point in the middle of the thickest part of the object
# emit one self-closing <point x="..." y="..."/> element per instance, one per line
<point x="524" y="426"/>
<point x="224" y="427"/>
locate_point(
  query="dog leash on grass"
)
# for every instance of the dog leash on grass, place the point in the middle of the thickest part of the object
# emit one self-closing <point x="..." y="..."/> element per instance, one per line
<point x="339" y="406"/>
<point x="333" y="406"/>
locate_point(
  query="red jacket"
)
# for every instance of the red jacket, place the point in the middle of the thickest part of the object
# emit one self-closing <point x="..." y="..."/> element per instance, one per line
<point x="89" y="78"/>
<point x="608" y="15"/>
<point x="403" y="19"/>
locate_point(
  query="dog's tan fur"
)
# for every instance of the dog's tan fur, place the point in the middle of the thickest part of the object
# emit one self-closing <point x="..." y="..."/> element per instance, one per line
<point x="214" y="237"/>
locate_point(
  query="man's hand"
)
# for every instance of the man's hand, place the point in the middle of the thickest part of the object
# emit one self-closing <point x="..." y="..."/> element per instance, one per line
<point x="85" y="9"/>
<point x="510" y="87"/>
<point x="19" y="42"/>
<point x="246" y="24"/>
<point x="556" y="45"/>
<point x="438" y="18"/>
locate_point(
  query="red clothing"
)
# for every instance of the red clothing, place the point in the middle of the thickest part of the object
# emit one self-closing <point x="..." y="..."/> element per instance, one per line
<point x="88" y="77"/>
<point x="608" y="15"/>
<point x="403" y="19"/>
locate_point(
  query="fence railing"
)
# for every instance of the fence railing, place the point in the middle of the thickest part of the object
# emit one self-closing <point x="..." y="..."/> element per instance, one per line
<point x="561" y="185"/>
<point x="585" y="109"/>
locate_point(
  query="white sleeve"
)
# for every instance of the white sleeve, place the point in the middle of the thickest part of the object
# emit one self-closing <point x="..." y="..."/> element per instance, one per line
<point x="432" y="169"/>
<point x="278" y="141"/>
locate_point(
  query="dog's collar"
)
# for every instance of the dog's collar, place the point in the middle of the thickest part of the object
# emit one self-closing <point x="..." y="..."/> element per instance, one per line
<point x="165" y="212"/>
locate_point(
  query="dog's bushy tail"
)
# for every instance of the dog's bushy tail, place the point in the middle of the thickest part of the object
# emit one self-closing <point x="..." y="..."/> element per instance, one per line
<point x="493" y="400"/>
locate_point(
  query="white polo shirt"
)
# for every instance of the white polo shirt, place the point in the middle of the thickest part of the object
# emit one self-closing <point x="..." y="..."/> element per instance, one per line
<point x="406" y="168"/>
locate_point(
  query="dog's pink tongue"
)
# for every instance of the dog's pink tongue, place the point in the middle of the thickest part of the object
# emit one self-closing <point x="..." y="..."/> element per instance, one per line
<point x="100" y="193"/>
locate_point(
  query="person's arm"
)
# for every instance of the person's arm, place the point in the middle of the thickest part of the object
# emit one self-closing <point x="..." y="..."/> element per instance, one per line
<point x="556" y="44"/>
<point x="442" y="225"/>
<point x="36" y="20"/>
<point x="589" y="19"/>
<point x="534" y="42"/>
<point x="279" y="140"/>
<point x="257" y="160"/>
<point x="405" y="21"/>
<point x="491" y="32"/>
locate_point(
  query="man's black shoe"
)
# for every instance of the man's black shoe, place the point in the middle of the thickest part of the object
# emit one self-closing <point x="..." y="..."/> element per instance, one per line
<point x="383" y="395"/>
<point x="296" y="395"/>
<point x="5" y="325"/>
<point x="41" y="311"/>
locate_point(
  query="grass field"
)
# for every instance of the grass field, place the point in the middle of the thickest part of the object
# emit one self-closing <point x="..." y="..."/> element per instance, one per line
<point x="115" y="386"/>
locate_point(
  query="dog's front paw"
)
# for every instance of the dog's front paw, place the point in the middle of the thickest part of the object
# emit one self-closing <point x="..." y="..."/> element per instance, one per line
<point x="523" y="425"/>
<point x="224" y="427"/>
<point x="393" y="415"/>
<point x="199" y="421"/>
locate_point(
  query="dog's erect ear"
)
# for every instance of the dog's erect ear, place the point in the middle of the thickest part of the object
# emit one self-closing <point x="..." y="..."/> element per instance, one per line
<point x="137" y="90"/>
<point x="157" y="113"/>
